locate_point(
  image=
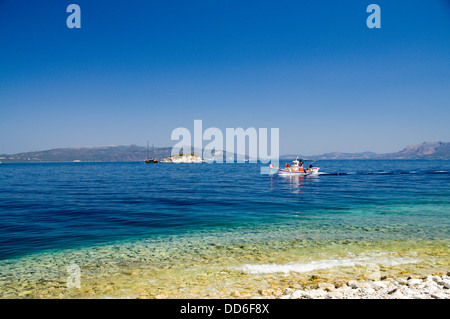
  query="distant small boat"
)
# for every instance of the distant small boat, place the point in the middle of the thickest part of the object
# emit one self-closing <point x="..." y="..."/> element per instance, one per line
<point x="151" y="160"/>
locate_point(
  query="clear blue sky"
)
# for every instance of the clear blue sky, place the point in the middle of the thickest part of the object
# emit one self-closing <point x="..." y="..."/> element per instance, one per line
<point x="138" y="69"/>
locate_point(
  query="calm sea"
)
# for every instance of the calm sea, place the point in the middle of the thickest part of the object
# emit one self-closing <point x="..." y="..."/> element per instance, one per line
<point x="47" y="206"/>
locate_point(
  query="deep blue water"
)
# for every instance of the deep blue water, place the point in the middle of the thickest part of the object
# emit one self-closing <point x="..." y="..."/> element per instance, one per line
<point x="47" y="206"/>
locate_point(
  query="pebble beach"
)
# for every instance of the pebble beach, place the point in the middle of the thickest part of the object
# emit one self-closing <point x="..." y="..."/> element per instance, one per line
<point x="429" y="287"/>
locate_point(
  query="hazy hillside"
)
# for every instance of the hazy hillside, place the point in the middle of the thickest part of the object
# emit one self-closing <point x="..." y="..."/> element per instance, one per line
<point x="88" y="154"/>
<point x="424" y="150"/>
<point x="420" y="151"/>
<point x="129" y="153"/>
<point x="139" y="153"/>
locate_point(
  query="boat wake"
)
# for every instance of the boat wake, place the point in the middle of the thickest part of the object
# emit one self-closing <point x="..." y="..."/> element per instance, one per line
<point x="383" y="173"/>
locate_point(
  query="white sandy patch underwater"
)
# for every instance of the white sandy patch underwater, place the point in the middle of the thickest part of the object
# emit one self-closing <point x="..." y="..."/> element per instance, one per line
<point x="384" y="259"/>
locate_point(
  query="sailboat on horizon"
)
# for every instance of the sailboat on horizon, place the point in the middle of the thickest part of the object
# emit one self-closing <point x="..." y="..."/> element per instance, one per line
<point x="151" y="160"/>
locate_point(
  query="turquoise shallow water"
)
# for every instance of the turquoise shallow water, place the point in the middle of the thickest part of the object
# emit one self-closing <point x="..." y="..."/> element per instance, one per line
<point x="64" y="205"/>
<point x="161" y="219"/>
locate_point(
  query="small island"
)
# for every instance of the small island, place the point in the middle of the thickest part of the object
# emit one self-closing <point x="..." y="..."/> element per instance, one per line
<point x="183" y="158"/>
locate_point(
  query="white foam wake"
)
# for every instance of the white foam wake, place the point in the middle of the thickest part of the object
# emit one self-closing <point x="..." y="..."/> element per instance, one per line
<point x="378" y="259"/>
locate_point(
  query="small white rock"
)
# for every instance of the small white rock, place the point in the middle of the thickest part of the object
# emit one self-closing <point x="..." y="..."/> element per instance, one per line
<point x="432" y="284"/>
<point x="368" y="291"/>
<point x="414" y="282"/>
<point x="343" y="288"/>
<point x="401" y="281"/>
<point x="397" y="295"/>
<point x="364" y="285"/>
<point x="439" y="296"/>
<point x="296" y="294"/>
<point x="335" y="294"/>
<point x="378" y="285"/>
<point x="326" y="286"/>
<point x="353" y="284"/>
<point x="357" y="284"/>
<point x="288" y="291"/>
<point x="319" y="293"/>
<point x="307" y="295"/>
<point x="446" y="284"/>
<point x="436" y="278"/>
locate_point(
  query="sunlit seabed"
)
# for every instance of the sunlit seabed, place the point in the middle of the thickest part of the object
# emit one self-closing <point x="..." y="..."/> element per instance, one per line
<point x="216" y="265"/>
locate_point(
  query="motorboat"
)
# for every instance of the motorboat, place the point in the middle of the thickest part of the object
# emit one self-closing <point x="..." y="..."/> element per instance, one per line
<point x="295" y="169"/>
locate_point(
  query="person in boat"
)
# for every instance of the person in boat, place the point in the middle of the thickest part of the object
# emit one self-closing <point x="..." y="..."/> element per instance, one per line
<point x="298" y="165"/>
<point x="287" y="165"/>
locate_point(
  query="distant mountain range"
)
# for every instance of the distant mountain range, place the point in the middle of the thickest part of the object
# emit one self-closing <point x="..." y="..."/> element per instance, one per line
<point x="426" y="150"/>
<point x="127" y="153"/>
<point x="417" y="151"/>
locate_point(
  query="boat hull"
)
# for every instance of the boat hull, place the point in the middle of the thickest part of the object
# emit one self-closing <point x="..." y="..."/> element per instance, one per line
<point x="293" y="172"/>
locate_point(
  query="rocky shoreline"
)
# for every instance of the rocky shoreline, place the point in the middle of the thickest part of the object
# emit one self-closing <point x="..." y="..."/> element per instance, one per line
<point x="429" y="287"/>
